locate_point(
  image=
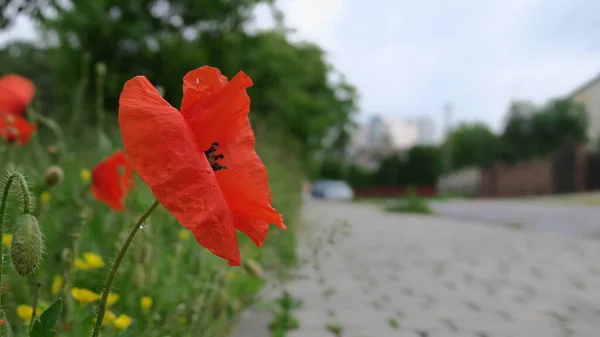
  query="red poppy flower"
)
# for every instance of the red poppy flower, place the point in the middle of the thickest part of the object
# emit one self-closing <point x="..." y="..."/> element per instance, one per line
<point x="200" y="162"/>
<point x="16" y="92"/>
<point x="112" y="179"/>
<point x="15" y="129"/>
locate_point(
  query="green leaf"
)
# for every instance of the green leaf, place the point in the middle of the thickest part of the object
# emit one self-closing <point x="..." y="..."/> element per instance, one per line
<point x="43" y="327"/>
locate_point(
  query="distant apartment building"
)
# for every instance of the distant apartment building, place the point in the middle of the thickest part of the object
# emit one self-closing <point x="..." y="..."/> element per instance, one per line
<point x="378" y="138"/>
<point x="427" y="131"/>
<point x="589" y="96"/>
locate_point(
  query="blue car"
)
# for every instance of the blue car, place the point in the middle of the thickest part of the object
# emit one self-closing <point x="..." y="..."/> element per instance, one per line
<point x="318" y="189"/>
<point x="332" y="190"/>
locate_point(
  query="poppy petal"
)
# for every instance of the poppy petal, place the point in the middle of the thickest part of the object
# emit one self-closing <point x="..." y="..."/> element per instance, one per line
<point x="16" y="92"/>
<point x="163" y="152"/>
<point x="112" y="179"/>
<point x="16" y="128"/>
<point x="255" y="229"/>
<point x="248" y="201"/>
<point x="210" y="104"/>
<point x="239" y="154"/>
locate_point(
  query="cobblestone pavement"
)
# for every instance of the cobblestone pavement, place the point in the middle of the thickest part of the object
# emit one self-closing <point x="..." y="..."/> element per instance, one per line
<point x="553" y="217"/>
<point x="408" y="275"/>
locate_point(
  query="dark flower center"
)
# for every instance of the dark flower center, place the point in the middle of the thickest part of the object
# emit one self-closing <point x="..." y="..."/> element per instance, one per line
<point x="212" y="156"/>
<point x="11" y="134"/>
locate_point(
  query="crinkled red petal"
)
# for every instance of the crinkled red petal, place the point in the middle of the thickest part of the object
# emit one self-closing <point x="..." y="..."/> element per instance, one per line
<point x="163" y="151"/>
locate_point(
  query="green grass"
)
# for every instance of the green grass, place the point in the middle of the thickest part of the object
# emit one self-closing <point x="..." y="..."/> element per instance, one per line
<point x="410" y="204"/>
<point x="192" y="290"/>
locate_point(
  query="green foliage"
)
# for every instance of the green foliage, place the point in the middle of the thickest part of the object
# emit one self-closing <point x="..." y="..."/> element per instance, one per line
<point x="163" y="40"/>
<point x="543" y="130"/>
<point x="297" y="101"/>
<point x="44" y="326"/>
<point x="358" y="176"/>
<point x="203" y="293"/>
<point x="284" y="319"/>
<point x="529" y="131"/>
<point x="421" y="165"/>
<point x="471" y="144"/>
<point x="411" y="204"/>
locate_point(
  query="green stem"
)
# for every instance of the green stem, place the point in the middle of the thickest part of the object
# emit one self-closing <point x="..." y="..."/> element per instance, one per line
<point x="26" y="209"/>
<point x="54" y="127"/>
<point x="70" y="271"/>
<point x="100" y="99"/>
<point x="36" y="295"/>
<point x="115" y="268"/>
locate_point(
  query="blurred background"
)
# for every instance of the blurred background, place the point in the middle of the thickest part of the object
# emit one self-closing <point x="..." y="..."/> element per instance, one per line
<point x="461" y="138"/>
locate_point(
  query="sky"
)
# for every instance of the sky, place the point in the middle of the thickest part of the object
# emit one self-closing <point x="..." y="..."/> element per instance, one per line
<point x="409" y="58"/>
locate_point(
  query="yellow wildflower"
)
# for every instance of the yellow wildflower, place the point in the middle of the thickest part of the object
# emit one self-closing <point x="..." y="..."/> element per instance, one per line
<point x="122" y="322"/>
<point x="90" y="261"/>
<point x="183" y="234"/>
<point x="81" y="265"/>
<point x="146" y="303"/>
<point x="84" y="296"/>
<point x="57" y="283"/>
<point x="45" y="197"/>
<point x="93" y="260"/>
<point x="85" y="176"/>
<point x="25" y="312"/>
<point x="231" y="274"/>
<point x="7" y="240"/>
<point x="112" y="299"/>
<point x="109" y="317"/>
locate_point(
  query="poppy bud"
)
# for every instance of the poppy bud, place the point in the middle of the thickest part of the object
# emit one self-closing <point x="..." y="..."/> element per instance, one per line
<point x="253" y="268"/>
<point x="101" y="69"/>
<point x="53" y="176"/>
<point x="27" y="245"/>
<point x="220" y="303"/>
<point x="52" y="149"/>
<point x="160" y="90"/>
<point x="53" y="152"/>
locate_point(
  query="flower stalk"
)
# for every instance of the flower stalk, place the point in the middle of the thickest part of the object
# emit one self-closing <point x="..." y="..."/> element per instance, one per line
<point x="36" y="295"/>
<point x="113" y="271"/>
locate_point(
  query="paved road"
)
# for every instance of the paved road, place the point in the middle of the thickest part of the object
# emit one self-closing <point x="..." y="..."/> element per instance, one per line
<point x="534" y="216"/>
<point x="437" y="277"/>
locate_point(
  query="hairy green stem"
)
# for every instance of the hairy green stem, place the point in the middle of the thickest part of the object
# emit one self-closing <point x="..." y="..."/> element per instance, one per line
<point x="26" y="209"/>
<point x="115" y="268"/>
<point x="36" y="294"/>
<point x="54" y="127"/>
<point x="70" y="271"/>
<point x="100" y="75"/>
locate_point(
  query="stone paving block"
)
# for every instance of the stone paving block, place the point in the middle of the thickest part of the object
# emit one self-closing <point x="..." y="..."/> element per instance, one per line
<point x="440" y="277"/>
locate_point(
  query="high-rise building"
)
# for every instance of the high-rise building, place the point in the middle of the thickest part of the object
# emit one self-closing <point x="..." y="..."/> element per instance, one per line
<point x="427" y="130"/>
<point x="380" y="137"/>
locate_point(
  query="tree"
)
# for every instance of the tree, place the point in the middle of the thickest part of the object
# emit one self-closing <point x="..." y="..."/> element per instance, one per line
<point x="540" y="131"/>
<point x="423" y="166"/>
<point x="471" y="144"/>
<point x="163" y="39"/>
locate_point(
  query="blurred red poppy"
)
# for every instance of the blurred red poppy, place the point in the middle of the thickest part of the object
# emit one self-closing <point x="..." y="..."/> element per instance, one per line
<point x="16" y="92"/>
<point x="200" y="162"/>
<point x="15" y="129"/>
<point x="112" y="179"/>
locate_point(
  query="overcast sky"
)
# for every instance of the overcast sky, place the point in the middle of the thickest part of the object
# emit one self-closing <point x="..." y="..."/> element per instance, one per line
<point x="408" y="58"/>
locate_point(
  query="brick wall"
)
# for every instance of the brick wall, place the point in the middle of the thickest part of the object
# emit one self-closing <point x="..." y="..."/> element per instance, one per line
<point x="530" y="177"/>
